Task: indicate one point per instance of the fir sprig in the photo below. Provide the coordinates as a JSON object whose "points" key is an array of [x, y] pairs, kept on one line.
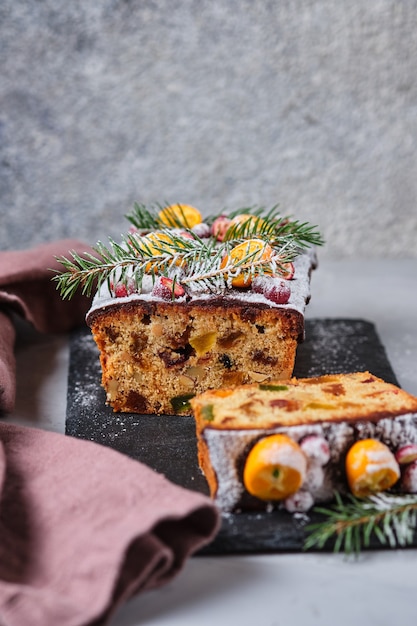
{"points": [[143, 218], [88, 272], [352, 523], [194, 261], [275, 228]]}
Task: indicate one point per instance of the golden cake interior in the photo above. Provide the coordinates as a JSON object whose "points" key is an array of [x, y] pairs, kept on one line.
{"points": [[333, 397], [155, 356]]}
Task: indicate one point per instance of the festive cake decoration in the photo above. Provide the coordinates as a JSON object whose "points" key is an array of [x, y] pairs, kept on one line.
{"points": [[185, 303], [211, 256]]}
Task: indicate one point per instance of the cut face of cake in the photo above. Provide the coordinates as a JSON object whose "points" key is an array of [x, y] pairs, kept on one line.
{"points": [[293, 443], [185, 304]]}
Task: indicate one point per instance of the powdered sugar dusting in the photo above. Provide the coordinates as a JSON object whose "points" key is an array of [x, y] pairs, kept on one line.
{"points": [[299, 285]]}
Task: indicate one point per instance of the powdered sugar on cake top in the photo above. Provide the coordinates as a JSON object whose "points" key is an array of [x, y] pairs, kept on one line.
{"points": [[299, 291]]}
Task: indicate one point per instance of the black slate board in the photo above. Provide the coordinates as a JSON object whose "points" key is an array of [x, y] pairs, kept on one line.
{"points": [[168, 443]]}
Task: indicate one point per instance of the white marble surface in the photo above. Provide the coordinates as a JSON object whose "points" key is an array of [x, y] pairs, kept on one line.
{"points": [[277, 589]]}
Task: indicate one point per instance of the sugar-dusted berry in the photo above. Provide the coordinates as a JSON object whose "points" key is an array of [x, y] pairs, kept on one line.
{"points": [[273, 289], [299, 502], [314, 479], [202, 230], [316, 448], [406, 454], [123, 288], [167, 289], [220, 226], [409, 478]]}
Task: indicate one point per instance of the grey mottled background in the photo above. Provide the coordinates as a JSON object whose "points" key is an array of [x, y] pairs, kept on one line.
{"points": [[310, 104]]}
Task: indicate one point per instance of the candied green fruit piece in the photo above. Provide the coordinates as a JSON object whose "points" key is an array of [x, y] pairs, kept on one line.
{"points": [[207, 412], [273, 387], [182, 403]]}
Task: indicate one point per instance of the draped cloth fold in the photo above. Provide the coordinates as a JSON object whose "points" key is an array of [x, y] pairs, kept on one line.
{"points": [[27, 289], [82, 527]]}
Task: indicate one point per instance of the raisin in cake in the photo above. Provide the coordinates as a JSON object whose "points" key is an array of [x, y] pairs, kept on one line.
{"points": [[293, 443], [195, 305]]}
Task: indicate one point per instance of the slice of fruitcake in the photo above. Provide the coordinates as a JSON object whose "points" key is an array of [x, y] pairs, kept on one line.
{"points": [[293, 443]]}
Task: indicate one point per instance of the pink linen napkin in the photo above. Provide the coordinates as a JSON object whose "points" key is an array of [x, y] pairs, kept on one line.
{"points": [[26, 288], [83, 528]]}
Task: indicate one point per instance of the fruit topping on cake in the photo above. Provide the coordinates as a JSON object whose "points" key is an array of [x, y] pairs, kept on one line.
{"points": [[250, 251]]}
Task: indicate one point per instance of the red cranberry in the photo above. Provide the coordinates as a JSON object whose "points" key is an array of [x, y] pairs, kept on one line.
{"points": [[123, 288], [316, 448], [273, 289], [299, 502], [409, 478], [202, 230], [164, 288], [406, 454], [220, 226]]}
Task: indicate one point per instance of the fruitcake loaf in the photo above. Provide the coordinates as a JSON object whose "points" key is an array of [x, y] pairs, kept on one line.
{"points": [[185, 305], [293, 443]]}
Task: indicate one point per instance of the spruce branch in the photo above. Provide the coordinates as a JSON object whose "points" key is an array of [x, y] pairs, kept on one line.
{"points": [[276, 229], [167, 252], [89, 272], [352, 523], [143, 218]]}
